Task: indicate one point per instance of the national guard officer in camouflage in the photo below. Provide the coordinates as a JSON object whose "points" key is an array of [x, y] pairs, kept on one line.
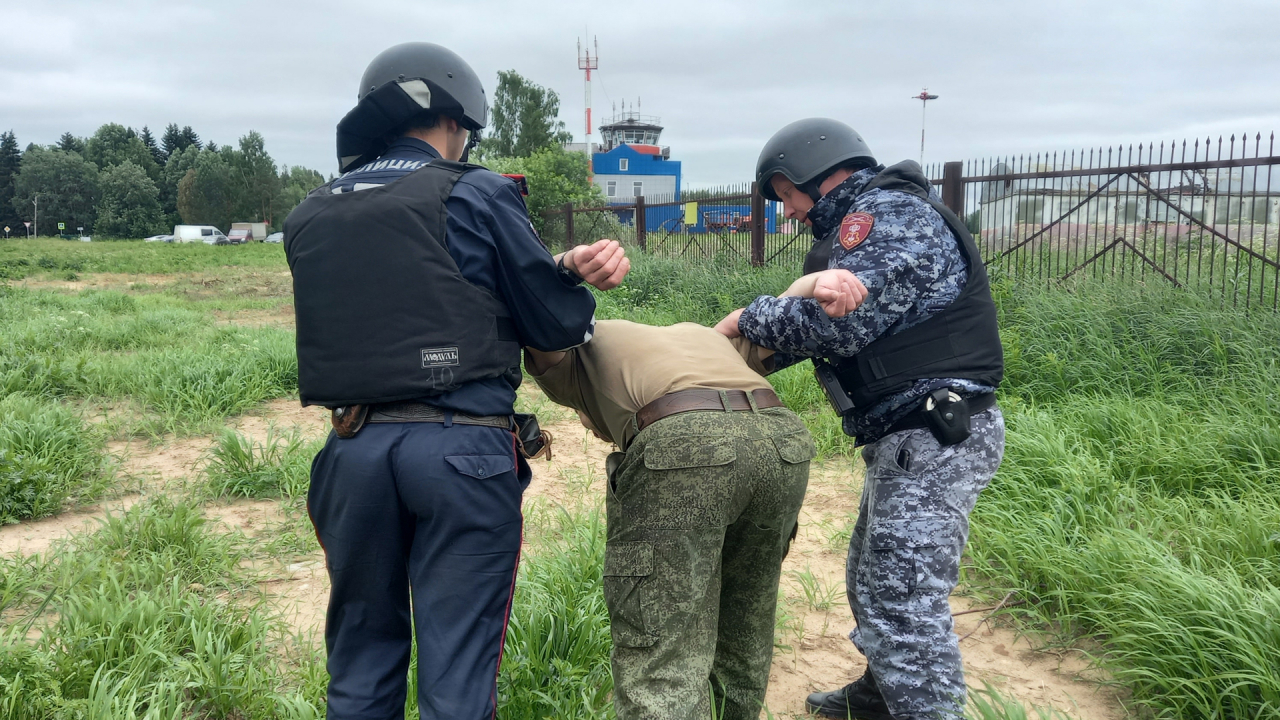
{"points": [[913, 371], [701, 504]]}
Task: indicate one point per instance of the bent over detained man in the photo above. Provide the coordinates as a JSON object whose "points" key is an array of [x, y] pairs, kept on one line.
{"points": [[701, 501], [417, 278], [913, 371]]}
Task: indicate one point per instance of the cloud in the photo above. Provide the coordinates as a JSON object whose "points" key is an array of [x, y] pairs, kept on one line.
{"points": [[1013, 77]]}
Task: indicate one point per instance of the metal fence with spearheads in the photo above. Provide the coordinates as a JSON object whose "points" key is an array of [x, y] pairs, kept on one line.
{"points": [[1197, 214]]}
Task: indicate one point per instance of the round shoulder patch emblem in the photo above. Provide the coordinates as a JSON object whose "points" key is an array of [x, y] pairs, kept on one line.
{"points": [[854, 229]]}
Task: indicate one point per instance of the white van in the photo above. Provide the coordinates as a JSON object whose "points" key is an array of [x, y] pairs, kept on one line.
{"points": [[207, 234]]}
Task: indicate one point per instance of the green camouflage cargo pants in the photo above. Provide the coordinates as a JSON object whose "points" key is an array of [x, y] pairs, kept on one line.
{"points": [[701, 511]]}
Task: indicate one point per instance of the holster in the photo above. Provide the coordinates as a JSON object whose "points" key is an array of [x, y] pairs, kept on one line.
{"points": [[347, 420], [533, 440]]}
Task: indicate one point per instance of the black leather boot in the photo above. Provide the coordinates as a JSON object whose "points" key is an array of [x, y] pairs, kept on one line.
{"points": [[859, 700]]}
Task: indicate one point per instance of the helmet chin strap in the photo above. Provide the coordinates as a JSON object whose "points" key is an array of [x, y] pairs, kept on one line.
{"points": [[811, 189], [473, 140]]}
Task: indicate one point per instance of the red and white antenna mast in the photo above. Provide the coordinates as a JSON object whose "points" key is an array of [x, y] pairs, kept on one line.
{"points": [[588, 62]]}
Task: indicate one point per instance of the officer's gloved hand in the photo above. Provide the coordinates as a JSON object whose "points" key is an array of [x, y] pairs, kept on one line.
{"points": [[602, 264]]}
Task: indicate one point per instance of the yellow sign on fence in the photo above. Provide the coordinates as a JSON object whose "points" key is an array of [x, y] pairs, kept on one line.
{"points": [[691, 213]]}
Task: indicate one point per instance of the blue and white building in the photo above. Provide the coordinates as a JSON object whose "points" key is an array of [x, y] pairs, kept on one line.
{"points": [[630, 162]]}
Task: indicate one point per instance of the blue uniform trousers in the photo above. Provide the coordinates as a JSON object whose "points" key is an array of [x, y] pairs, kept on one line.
{"points": [[429, 510]]}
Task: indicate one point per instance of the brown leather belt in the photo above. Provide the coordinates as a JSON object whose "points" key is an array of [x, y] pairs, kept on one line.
{"points": [[684, 401]]}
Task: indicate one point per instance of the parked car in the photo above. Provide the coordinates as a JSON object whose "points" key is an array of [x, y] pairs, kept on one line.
{"points": [[275, 238], [159, 238], [209, 234], [239, 236]]}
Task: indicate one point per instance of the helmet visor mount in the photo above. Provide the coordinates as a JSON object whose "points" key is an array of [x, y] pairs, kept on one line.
{"points": [[362, 133]]}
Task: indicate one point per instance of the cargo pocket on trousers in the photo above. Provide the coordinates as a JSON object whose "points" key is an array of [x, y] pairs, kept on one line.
{"points": [[482, 467], [691, 482], [795, 448], [913, 563], [627, 593]]}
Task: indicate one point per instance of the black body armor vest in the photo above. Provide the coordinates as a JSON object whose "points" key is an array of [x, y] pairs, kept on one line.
{"points": [[383, 313], [960, 341]]}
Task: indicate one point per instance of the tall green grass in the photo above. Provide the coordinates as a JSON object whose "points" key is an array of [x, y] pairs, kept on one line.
{"points": [[172, 360], [1139, 499], [143, 618], [279, 466], [48, 456]]}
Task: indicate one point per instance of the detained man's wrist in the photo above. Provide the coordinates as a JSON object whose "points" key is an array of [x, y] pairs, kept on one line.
{"points": [[567, 276]]}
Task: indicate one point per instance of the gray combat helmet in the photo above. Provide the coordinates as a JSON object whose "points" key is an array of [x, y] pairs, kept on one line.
{"points": [[401, 82], [807, 151]]}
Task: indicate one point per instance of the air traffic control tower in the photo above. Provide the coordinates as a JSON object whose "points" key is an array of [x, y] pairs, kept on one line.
{"points": [[630, 161]]}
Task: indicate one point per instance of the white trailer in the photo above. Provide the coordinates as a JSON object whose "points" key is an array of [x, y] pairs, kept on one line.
{"points": [[257, 230]]}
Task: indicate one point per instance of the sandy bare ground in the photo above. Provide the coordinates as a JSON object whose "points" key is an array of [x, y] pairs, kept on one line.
{"points": [[821, 656]]}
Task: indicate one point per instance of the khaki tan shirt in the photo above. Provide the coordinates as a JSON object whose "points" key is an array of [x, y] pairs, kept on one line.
{"points": [[628, 365]]}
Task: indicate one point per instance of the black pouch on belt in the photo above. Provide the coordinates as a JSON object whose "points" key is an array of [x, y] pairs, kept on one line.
{"points": [[946, 414], [534, 441]]}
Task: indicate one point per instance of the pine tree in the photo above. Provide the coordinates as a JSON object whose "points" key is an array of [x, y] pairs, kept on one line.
{"points": [[175, 140], [10, 163], [189, 137], [70, 143], [149, 140], [171, 141]]}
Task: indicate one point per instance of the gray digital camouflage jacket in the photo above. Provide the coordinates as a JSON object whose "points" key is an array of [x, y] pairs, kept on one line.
{"points": [[911, 264]]}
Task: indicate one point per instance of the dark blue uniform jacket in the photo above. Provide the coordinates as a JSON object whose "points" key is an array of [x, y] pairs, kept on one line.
{"points": [[496, 248]]}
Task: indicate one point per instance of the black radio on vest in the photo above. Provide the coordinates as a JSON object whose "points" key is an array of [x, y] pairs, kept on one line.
{"points": [[383, 313], [960, 341]]}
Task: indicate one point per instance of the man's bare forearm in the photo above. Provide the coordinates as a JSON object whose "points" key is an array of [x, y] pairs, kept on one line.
{"points": [[543, 361]]}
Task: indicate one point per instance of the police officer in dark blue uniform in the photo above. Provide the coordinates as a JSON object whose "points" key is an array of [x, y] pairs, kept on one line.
{"points": [[913, 372], [417, 278]]}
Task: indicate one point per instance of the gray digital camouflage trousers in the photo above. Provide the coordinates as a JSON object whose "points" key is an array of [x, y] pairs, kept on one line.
{"points": [[904, 561], [701, 511]]}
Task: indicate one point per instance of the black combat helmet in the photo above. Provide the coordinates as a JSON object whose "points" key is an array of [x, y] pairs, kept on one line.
{"points": [[402, 82], [807, 151]]}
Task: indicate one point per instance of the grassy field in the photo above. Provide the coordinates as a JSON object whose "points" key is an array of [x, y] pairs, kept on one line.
{"points": [[1136, 516]]}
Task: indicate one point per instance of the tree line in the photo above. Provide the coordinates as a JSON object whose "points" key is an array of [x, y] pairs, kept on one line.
{"points": [[120, 182], [125, 183]]}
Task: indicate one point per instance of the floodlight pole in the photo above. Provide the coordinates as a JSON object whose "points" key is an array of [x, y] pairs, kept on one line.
{"points": [[924, 97], [35, 222]]}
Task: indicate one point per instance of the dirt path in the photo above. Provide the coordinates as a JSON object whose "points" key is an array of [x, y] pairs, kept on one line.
{"points": [[821, 656]]}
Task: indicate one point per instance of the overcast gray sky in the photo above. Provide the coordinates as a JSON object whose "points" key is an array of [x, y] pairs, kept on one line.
{"points": [[1013, 76]]}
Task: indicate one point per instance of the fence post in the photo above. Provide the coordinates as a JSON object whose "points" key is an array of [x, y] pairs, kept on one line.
{"points": [[641, 227], [953, 187], [757, 226], [568, 226]]}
